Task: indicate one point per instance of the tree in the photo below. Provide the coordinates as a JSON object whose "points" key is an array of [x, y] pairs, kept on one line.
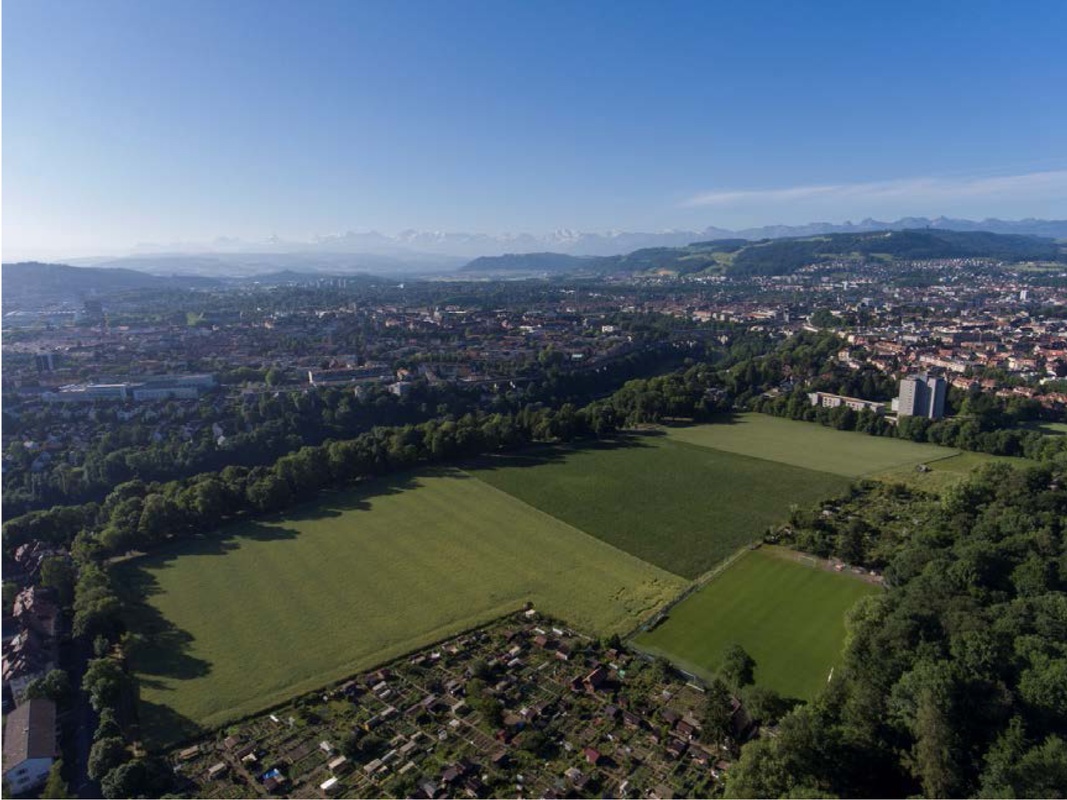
{"points": [[105, 682], [738, 667], [764, 704], [55, 786], [107, 725], [717, 724], [936, 747], [54, 686], [105, 755], [58, 574], [142, 777], [760, 772]]}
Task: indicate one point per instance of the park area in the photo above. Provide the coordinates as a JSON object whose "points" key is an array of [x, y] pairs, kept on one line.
{"points": [[601, 536], [259, 612], [788, 614]]}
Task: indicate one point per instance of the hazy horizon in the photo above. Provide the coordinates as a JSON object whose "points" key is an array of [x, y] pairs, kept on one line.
{"points": [[186, 122]]}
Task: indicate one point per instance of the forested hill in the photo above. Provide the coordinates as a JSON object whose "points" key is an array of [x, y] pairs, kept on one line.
{"points": [[782, 256], [742, 258], [35, 280]]}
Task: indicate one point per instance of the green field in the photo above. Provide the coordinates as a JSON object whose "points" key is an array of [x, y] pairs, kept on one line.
{"points": [[789, 616], [946, 472], [597, 535], [238, 621], [808, 445], [679, 506]]}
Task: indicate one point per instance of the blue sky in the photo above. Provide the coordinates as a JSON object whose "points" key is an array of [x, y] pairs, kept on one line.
{"points": [[128, 121]]}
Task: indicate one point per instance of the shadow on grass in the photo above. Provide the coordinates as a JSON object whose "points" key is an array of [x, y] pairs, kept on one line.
{"points": [[722, 418], [559, 453], [162, 727], [162, 652]]}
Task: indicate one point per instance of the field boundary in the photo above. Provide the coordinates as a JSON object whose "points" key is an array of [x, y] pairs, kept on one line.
{"points": [[697, 584], [879, 473], [575, 528]]}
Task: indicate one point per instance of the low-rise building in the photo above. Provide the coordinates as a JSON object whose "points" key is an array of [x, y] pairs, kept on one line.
{"points": [[29, 745], [827, 400]]}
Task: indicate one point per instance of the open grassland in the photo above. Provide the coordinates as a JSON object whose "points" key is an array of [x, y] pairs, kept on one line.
{"points": [[808, 445], [946, 472], [788, 615], [679, 506], [264, 610]]}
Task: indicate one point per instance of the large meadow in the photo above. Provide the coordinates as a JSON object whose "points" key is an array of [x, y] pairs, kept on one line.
{"points": [[603, 536], [266, 610]]}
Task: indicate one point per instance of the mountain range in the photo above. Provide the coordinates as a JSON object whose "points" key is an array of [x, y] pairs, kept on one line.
{"points": [[425, 252], [33, 283], [739, 257]]}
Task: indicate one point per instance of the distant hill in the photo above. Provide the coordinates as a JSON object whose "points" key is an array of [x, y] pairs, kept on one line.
{"points": [[742, 257], [529, 262], [247, 264], [32, 281], [424, 252], [782, 256]]}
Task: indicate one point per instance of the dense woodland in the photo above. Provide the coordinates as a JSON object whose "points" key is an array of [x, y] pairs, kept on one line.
{"points": [[954, 680]]}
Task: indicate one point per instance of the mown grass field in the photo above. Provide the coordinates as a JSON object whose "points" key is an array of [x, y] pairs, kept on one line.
{"points": [[789, 616], [808, 445], [261, 611], [679, 506]]}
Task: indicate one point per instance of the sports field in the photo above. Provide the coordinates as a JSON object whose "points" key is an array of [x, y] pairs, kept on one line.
{"points": [[805, 444], [261, 611], [679, 506], [788, 615]]}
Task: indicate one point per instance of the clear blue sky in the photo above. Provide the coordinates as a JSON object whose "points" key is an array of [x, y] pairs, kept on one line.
{"points": [[145, 120]]}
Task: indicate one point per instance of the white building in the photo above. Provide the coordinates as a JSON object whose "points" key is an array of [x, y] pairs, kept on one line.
{"points": [[29, 745], [827, 400], [922, 396]]}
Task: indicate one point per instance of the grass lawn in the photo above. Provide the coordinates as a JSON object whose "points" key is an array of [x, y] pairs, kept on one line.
{"points": [[808, 445], [244, 619], [946, 472], [789, 616], [679, 506]]}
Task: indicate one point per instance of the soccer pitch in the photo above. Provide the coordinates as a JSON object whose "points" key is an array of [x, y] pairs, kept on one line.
{"points": [[788, 615]]}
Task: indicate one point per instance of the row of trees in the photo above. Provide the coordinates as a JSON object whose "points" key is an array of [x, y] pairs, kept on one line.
{"points": [[111, 759], [954, 681], [259, 429], [138, 514]]}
